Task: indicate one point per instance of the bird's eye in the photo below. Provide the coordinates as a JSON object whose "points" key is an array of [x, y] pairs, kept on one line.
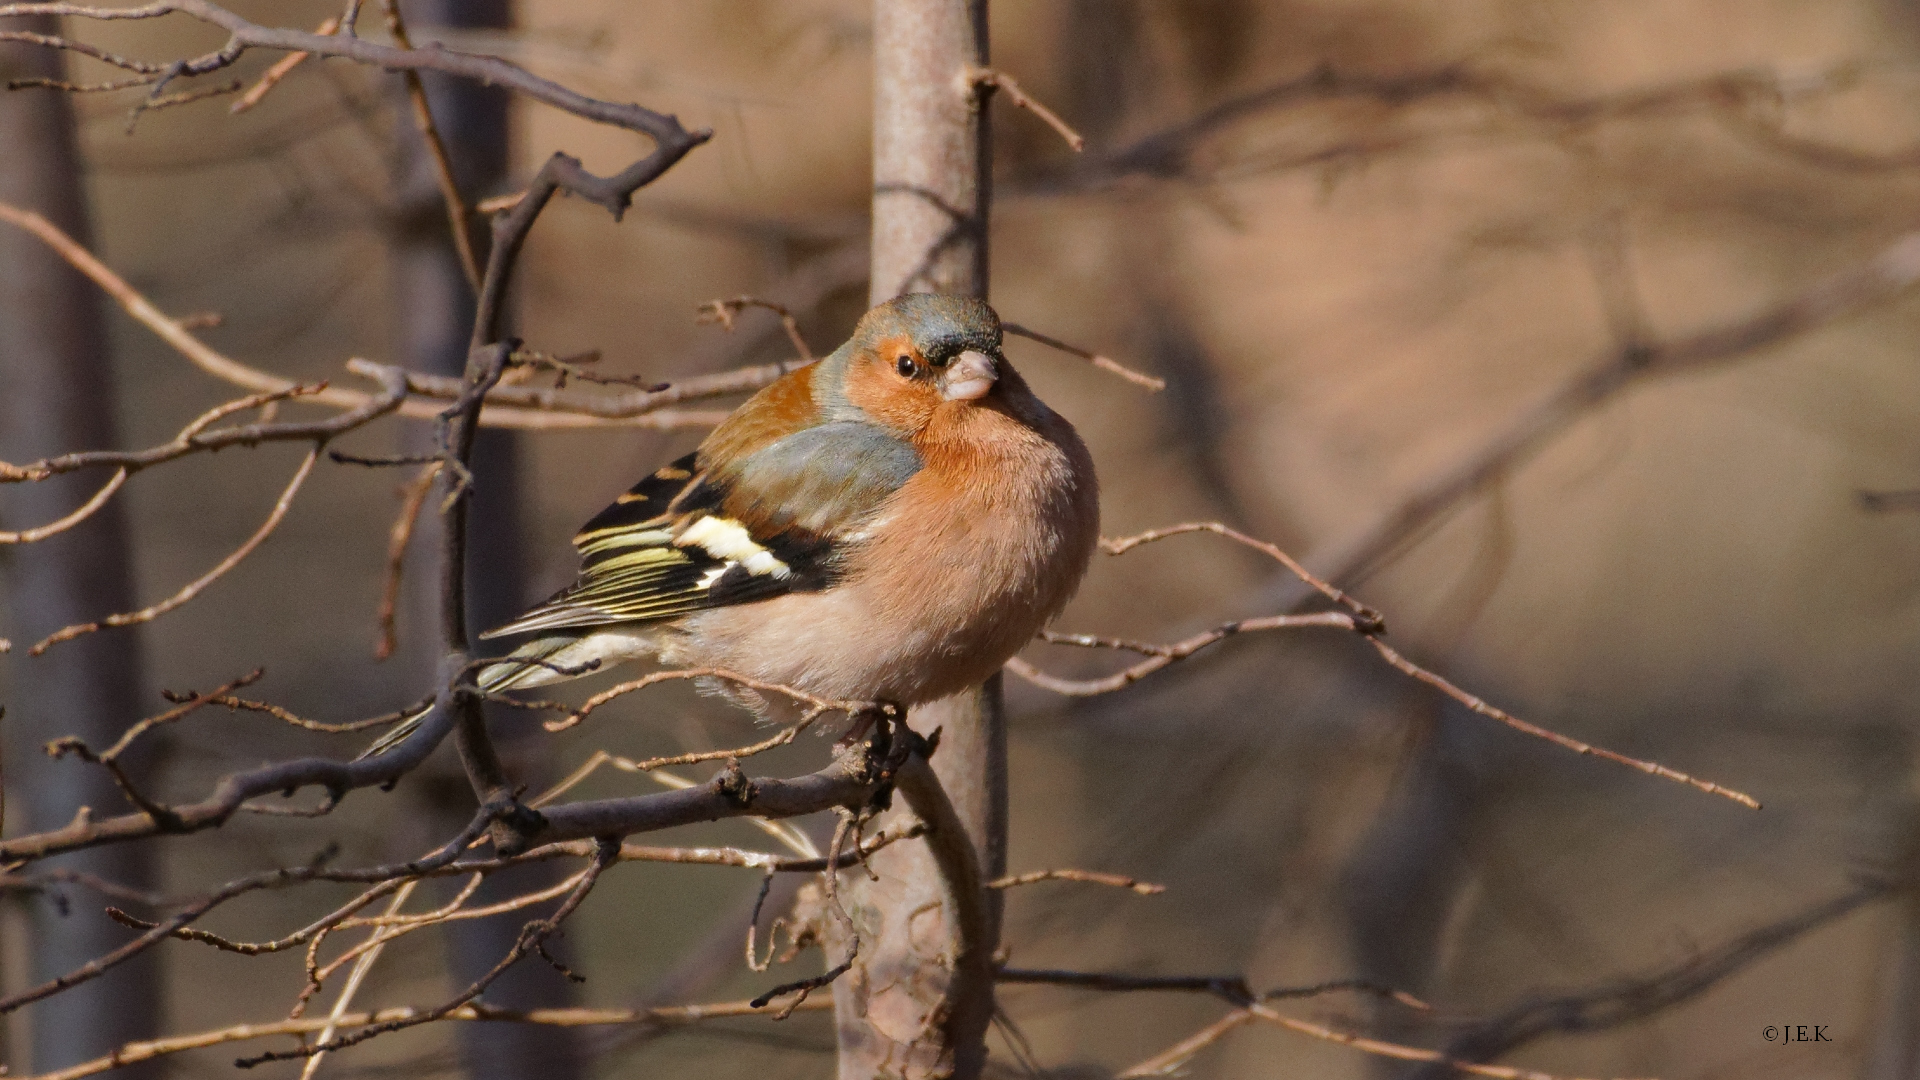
{"points": [[906, 367]]}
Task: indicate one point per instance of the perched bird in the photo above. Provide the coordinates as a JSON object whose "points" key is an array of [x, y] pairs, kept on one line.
{"points": [[890, 524]]}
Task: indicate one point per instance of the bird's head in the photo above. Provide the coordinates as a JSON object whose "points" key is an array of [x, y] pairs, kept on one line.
{"points": [[920, 352]]}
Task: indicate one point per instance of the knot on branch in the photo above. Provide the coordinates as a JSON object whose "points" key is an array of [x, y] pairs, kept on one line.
{"points": [[734, 785], [513, 825], [1368, 622], [891, 746]]}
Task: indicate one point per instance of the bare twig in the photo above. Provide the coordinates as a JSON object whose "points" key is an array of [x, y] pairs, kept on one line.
{"points": [[193, 588], [81, 513], [457, 212], [194, 438], [283, 715], [190, 913], [1128, 543], [1159, 656], [1393, 1050], [188, 704], [539, 409], [672, 140], [526, 363], [354, 978], [1358, 618], [186, 97], [672, 1015], [980, 77], [723, 311], [1094, 877], [572, 408], [1104, 363], [1173, 1057], [413, 496], [280, 70], [818, 705], [531, 936], [1651, 768], [829, 878]]}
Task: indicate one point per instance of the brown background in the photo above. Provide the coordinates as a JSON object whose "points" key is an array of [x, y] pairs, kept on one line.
{"points": [[1347, 296]]}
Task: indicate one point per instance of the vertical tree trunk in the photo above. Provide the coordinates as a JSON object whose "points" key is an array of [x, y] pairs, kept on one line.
{"points": [[59, 397], [433, 312], [1893, 1051], [896, 1010]]}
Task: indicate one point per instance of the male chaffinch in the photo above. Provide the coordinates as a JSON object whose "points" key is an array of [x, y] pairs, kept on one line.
{"points": [[890, 524]]}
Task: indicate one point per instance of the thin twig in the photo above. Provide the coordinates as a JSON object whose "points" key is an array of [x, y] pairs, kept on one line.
{"points": [[1652, 768], [281, 714], [540, 409], [987, 77], [1159, 656], [1104, 363], [1128, 543], [194, 438], [188, 704], [187, 97], [354, 978], [723, 312], [135, 1052], [829, 878], [76, 88], [1358, 618], [818, 704], [193, 589], [280, 70], [1170, 1059], [413, 496], [456, 205], [526, 363], [1093, 877], [531, 935], [1394, 1050], [190, 913], [81, 513]]}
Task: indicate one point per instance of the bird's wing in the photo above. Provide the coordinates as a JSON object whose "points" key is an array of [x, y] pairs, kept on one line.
{"points": [[701, 534]]}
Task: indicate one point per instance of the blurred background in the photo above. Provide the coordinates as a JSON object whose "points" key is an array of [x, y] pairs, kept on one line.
{"points": [[1360, 239]]}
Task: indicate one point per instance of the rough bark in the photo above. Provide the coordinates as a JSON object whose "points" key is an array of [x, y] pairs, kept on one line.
{"points": [[911, 1006], [54, 362]]}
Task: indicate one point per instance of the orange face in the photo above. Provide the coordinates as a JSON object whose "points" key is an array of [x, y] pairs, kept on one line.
{"points": [[898, 385]]}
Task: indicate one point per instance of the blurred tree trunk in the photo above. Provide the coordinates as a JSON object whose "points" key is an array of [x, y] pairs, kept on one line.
{"points": [[1894, 1051], [55, 364], [932, 176], [1411, 871], [433, 316]]}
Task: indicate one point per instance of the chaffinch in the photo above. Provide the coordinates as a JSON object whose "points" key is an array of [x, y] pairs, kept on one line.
{"points": [[890, 524]]}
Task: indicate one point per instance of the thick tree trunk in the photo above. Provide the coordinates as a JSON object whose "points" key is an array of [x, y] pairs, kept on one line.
{"points": [[433, 313], [55, 366], [900, 1011]]}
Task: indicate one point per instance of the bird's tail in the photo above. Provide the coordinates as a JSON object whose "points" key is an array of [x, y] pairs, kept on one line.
{"points": [[536, 662]]}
